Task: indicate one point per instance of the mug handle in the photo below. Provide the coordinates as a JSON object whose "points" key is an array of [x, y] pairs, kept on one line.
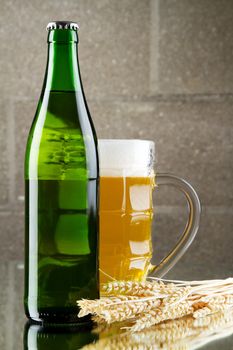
{"points": [[191, 228]]}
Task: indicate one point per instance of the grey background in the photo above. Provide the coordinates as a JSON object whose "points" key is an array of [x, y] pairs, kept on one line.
{"points": [[152, 69], [160, 70]]}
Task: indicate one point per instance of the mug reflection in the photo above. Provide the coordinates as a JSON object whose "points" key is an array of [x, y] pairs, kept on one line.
{"points": [[39, 337]]}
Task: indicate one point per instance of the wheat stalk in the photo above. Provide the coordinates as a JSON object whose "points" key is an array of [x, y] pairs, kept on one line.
{"points": [[154, 301], [119, 308], [159, 315], [135, 288]]}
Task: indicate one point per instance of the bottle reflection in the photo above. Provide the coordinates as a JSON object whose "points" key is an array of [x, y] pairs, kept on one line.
{"points": [[38, 337], [179, 334]]}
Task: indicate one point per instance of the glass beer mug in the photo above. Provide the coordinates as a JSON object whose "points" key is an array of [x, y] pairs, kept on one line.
{"points": [[127, 181]]}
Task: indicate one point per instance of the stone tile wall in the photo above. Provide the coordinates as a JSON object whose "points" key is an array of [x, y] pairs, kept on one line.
{"points": [[152, 69]]}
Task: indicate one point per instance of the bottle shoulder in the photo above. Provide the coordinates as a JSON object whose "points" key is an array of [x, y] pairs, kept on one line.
{"points": [[62, 139]]}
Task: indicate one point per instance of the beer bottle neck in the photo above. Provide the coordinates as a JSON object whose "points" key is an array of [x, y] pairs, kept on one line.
{"points": [[62, 72]]}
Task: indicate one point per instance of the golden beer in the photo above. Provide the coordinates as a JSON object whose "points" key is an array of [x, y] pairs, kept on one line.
{"points": [[126, 213]]}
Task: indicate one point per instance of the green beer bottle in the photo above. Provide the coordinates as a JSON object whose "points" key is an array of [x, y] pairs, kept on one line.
{"points": [[38, 337], [61, 188]]}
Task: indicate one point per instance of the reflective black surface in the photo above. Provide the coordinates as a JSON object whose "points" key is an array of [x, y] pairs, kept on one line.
{"points": [[17, 333]]}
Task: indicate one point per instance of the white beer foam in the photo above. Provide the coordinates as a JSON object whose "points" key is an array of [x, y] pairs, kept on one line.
{"points": [[126, 157]]}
